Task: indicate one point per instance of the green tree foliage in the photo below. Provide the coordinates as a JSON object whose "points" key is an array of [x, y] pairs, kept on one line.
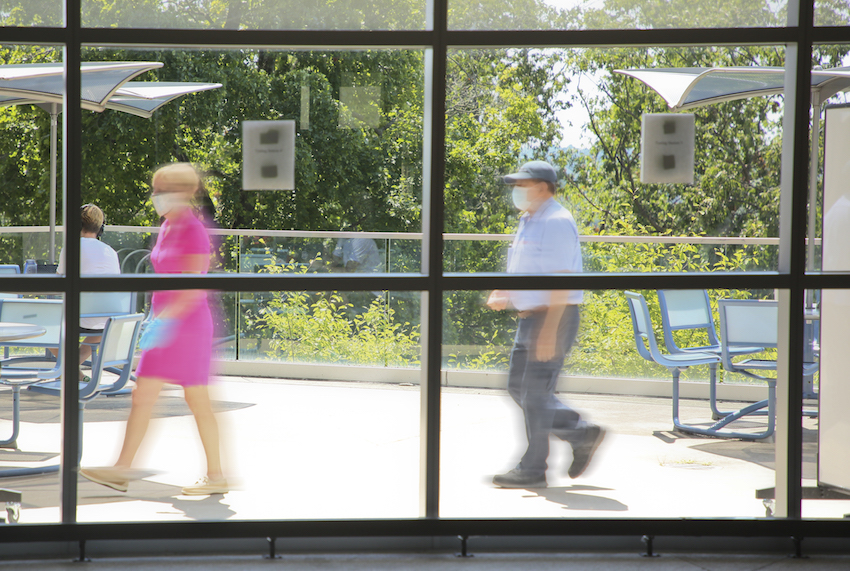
{"points": [[319, 328], [257, 14]]}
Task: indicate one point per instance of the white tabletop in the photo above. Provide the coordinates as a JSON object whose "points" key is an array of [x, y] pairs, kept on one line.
{"points": [[15, 331]]}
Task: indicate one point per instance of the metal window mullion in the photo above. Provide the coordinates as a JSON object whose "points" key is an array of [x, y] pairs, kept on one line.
{"points": [[793, 215], [794, 455], [72, 177], [432, 259]]}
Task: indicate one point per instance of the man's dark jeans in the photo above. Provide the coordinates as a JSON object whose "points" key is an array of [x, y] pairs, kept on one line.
{"points": [[532, 383]]}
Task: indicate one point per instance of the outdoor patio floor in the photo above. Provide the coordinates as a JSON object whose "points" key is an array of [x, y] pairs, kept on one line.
{"points": [[331, 450]]}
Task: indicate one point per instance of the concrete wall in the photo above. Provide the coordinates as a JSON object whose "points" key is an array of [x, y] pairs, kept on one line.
{"points": [[488, 380]]}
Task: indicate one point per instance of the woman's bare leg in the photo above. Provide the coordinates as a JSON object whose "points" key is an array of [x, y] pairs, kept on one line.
{"points": [[198, 399], [144, 397]]}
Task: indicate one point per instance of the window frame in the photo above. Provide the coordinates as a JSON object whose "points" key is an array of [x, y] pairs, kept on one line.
{"points": [[798, 36]]}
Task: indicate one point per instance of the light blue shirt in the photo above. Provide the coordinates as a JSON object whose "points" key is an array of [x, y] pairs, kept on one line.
{"points": [[546, 242]]}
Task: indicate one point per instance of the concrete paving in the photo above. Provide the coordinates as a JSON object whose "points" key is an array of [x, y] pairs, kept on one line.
{"points": [[329, 450]]}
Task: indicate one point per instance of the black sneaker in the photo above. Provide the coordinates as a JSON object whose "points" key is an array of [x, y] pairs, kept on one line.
{"points": [[582, 453], [517, 478]]}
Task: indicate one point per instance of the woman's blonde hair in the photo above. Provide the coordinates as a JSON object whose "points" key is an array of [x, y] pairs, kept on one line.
{"points": [[177, 176]]}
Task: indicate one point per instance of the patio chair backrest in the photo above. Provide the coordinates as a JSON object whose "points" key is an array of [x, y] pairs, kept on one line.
{"points": [[131, 260], [9, 269], [683, 310], [116, 350], [642, 326], [748, 322], [107, 304], [46, 313]]}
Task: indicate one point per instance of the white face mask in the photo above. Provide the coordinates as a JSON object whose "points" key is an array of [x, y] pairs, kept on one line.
{"points": [[519, 195], [165, 202]]}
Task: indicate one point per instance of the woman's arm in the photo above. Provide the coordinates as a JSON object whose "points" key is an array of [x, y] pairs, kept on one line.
{"points": [[186, 299]]}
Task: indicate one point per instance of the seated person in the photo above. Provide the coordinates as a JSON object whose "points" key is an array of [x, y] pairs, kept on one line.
{"points": [[95, 258], [358, 255]]}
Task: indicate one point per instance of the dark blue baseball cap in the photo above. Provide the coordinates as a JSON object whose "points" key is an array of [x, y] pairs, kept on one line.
{"points": [[540, 170]]}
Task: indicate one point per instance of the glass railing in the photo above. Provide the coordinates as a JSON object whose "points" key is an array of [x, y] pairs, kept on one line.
{"points": [[380, 329]]}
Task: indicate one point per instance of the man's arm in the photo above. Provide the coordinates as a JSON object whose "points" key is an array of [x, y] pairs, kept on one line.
{"points": [[547, 339], [498, 300]]}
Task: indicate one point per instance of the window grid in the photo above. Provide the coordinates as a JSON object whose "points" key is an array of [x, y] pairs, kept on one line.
{"points": [[792, 276]]}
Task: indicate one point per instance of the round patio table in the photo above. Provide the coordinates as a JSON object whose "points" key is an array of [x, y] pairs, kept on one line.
{"points": [[16, 331]]}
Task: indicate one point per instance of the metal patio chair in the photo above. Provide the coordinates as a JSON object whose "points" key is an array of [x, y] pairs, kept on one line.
{"points": [[648, 348], [746, 322], [690, 310]]}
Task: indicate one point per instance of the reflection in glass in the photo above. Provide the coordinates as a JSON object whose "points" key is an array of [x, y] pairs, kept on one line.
{"points": [[831, 13], [259, 15], [24, 13], [614, 14], [613, 385], [588, 126]]}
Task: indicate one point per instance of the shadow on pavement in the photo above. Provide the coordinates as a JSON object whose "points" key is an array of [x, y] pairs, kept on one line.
{"points": [[571, 498]]}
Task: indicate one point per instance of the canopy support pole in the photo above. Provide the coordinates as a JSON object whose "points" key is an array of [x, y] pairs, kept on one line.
{"points": [[813, 188], [54, 125]]}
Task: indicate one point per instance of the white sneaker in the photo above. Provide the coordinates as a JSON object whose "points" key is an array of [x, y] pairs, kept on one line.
{"points": [[109, 476], [205, 487]]}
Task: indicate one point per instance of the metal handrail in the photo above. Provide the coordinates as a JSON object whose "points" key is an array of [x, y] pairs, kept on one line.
{"points": [[587, 238]]}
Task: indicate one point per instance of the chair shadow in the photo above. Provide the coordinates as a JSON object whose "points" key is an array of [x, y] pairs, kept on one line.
{"points": [[764, 453], [571, 498]]}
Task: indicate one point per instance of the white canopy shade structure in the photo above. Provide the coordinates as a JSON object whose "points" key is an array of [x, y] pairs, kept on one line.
{"points": [[105, 85], [690, 87]]}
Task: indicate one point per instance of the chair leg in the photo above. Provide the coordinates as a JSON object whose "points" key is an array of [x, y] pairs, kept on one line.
{"points": [[712, 394], [16, 419], [715, 429]]}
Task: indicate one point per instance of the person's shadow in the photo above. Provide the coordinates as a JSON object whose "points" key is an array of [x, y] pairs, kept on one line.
{"points": [[209, 508], [571, 500]]}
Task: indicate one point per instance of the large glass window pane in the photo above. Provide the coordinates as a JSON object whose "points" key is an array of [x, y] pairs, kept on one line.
{"points": [[609, 168], [25, 13], [831, 13], [30, 122], [258, 15], [500, 395], [31, 372], [614, 14], [312, 160], [332, 377]]}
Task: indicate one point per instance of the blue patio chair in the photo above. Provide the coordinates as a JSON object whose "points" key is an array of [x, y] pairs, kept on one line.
{"points": [[9, 269], [131, 260], [46, 313], [104, 304], [23, 370], [116, 351], [745, 322], [648, 348], [690, 310], [114, 354]]}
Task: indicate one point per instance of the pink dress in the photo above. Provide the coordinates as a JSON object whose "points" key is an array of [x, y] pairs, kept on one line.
{"points": [[186, 360]]}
